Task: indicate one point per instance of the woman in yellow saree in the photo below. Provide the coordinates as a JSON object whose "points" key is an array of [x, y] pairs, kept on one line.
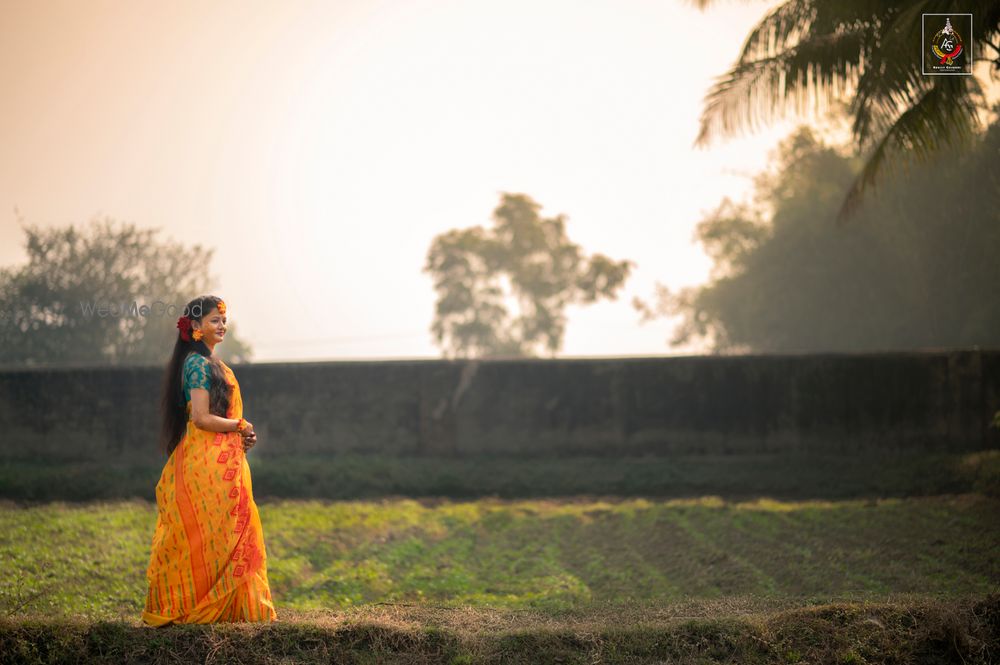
{"points": [[208, 561]]}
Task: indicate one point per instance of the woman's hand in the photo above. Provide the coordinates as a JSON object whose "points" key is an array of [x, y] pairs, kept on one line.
{"points": [[249, 439]]}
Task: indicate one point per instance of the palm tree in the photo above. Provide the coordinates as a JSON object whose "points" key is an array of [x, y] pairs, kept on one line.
{"points": [[864, 52]]}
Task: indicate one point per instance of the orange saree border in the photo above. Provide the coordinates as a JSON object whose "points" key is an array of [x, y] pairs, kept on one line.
{"points": [[186, 508]]}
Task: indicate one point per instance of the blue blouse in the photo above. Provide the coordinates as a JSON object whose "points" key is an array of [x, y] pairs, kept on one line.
{"points": [[195, 375]]}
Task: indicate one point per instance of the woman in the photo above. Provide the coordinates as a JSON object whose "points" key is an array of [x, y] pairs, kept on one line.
{"points": [[208, 561]]}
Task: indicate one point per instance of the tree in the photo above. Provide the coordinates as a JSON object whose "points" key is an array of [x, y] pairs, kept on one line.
{"points": [[106, 293], [819, 51], [919, 272], [545, 271]]}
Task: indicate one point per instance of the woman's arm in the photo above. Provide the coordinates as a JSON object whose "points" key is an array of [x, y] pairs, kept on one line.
{"points": [[209, 421]]}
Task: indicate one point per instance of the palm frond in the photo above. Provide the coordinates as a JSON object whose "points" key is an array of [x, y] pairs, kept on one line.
{"points": [[817, 70], [892, 81], [783, 27], [946, 114]]}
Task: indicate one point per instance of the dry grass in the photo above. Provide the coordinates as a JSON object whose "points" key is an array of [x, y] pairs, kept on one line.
{"points": [[747, 630]]}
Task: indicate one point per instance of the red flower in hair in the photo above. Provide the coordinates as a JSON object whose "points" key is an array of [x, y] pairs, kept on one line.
{"points": [[184, 325]]}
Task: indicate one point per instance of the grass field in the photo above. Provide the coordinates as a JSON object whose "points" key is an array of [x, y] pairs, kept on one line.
{"points": [[90, 559], [908, 575]]}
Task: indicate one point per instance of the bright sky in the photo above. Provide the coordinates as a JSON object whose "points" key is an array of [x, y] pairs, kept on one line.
{"points": [[320, 146]]}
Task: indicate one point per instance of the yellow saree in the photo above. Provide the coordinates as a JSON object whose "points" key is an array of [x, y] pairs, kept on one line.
{"points": [[208, 561]]}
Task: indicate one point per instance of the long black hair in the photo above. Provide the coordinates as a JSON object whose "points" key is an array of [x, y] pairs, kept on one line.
{"points": [[173, 407]]}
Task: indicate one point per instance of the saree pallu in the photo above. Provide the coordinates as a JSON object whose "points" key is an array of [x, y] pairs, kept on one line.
{"points": [[208, 561]]}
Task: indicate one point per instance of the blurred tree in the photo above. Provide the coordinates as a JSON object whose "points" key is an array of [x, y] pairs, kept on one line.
{"points": [[813, 52], [545, 272], [920, 272], [72, 303]]}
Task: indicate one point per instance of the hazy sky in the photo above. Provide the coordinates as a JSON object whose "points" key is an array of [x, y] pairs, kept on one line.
{"points": [[320, 146]]}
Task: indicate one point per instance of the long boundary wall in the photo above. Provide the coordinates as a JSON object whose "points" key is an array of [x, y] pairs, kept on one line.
{"points": [[658, 405]]}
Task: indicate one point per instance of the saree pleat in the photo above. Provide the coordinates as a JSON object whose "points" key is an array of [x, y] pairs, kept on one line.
{"points": [[207, 561]]}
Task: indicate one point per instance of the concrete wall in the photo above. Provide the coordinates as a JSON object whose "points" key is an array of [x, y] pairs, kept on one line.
{"points": [[693, 404]]}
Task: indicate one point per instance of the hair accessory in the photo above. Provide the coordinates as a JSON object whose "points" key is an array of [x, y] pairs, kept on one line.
{"points": [[197, 335], [221, 307], [184, 325]]}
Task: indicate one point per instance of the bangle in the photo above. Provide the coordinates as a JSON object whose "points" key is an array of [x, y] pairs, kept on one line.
{"points": [[241, 425]]}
